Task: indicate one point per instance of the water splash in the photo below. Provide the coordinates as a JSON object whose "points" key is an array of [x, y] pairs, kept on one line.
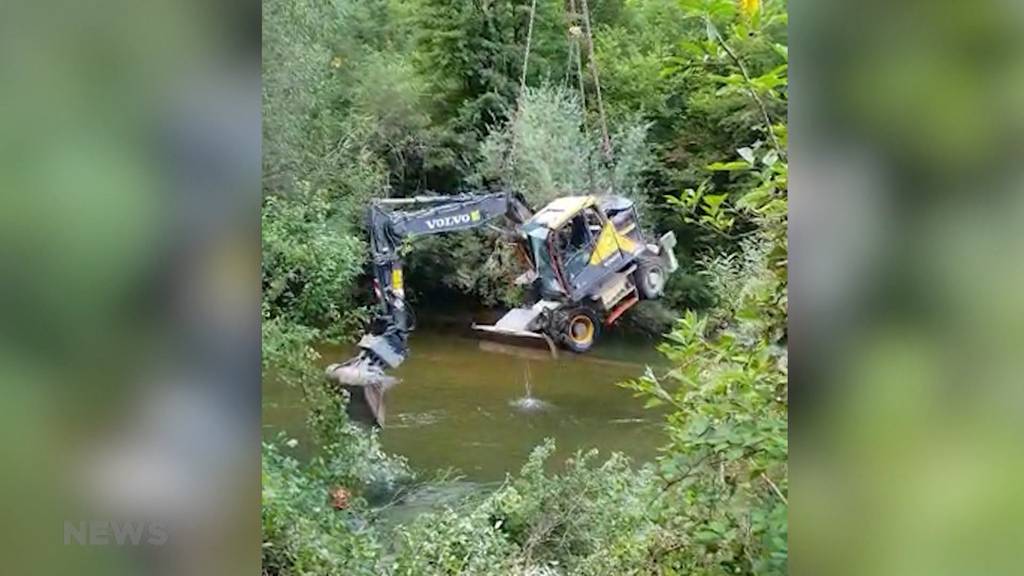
{"points": [[528, 403]]}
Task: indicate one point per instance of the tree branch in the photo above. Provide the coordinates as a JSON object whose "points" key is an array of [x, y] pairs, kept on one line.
{"points": [[775, 488], [749, 85]]}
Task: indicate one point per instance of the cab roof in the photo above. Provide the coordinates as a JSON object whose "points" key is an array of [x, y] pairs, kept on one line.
{"points": [[558, 212]]}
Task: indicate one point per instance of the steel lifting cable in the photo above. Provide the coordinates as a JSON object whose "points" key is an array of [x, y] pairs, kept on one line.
{"points": [[606, 139], [574, 43], [597, 82], [574, 47], [568, 53], [509, 159], [526, 56]]}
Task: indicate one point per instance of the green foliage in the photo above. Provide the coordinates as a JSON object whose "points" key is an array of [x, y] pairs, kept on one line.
{"points": [[302, 533], [760, 259], [544, 151], [392, 97], [455, 543], [726, 460], [485, 267], [541, 152], [632, 56], [286, 350], [389, 98], [294, 84], [650, 318], [589, 519], [737, 279], [310, 263], [473, 54], [688, 290], [321, 158], [347, 452]]}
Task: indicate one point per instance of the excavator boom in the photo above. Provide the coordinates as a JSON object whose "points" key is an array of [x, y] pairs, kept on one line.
{"points": [[589, 263], [390, 222]]}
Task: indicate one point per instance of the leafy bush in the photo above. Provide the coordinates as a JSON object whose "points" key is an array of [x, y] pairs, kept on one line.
{"points": [[591, 519], [390, 100], [486, 267], [303, 534], [310, 132], [453, 542], [735, 278], [726, 460], [286, 350], [310, 263], [688, 289], [543, 151]]}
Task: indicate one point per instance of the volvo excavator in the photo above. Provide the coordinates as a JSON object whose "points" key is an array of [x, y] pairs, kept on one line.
{"points": [[586, 258], [586, 262]]}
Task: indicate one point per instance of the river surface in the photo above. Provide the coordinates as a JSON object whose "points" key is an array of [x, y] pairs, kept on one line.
{"points": [[465, 406]]}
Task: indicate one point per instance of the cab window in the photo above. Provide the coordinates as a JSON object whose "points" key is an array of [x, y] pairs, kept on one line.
{"points": [[576, 242]]}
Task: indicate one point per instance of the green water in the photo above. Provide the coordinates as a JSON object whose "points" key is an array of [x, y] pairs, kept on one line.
{"points": [[459, 406]]}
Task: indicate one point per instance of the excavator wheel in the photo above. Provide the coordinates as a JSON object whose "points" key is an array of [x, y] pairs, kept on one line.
{"points": [[650, 278], [580, 329]]}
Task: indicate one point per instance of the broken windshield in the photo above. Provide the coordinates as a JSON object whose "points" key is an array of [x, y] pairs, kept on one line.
{"points": [[545, 268]]}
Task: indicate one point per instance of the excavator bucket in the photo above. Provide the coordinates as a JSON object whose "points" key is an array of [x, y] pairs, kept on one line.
{"points": [[519, 328], [366, 384]]}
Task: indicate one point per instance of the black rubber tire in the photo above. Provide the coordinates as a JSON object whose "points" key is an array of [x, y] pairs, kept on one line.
{"points": [[580, 330], [650, 279]]}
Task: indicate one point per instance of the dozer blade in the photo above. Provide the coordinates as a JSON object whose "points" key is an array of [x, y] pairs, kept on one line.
{"points": [[518, 347], [515, 328], [366, 384]]}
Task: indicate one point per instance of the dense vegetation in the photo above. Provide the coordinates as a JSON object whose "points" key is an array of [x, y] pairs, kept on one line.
{"points": [[393, 97]]}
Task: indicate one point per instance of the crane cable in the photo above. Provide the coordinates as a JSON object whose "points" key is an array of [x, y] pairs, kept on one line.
{"points": [[510, 157], [607, 141], [526, 56], [574, 47]]}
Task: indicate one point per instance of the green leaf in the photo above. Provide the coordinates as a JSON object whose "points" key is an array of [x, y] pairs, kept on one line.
{"points": [[753, 199], [713, 203], [653, 402], [733, 166]]}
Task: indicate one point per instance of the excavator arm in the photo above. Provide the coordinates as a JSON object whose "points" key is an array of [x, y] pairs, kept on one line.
{"points": [[391, 221]]}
